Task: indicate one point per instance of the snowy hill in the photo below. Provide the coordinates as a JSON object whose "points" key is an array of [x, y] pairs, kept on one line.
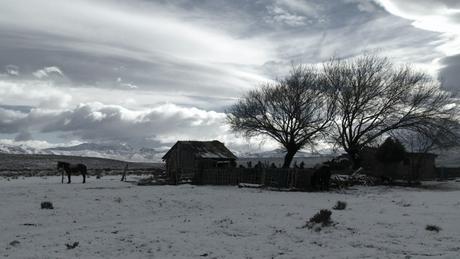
{"points": [[21, 150], [114, 151]]}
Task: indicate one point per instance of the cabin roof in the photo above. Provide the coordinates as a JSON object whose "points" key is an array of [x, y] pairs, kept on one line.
{"points": [[204, 149]]}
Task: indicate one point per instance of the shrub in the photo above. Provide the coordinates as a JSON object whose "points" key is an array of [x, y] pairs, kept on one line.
{"points": [[340, 205], [15, 243], [323, 217], [433, 228], [47, 205], [72, 246]]}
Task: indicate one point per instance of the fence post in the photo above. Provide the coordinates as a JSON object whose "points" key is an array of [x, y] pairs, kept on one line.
{"points": [[262, 177], [292, 180]]}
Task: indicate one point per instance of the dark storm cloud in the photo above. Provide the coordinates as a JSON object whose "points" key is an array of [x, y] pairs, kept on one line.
{"points": [[14, 121], [449, 75]]}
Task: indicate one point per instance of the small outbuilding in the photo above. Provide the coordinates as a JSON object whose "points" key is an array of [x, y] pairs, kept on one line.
{"points": [[187, 158]]}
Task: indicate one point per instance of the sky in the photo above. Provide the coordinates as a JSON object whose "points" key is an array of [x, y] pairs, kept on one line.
{"points": [[149, 73]]}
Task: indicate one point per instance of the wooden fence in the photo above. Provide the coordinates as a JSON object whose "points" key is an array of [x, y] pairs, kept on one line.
{"points": [[448, 172], [269, 177]]}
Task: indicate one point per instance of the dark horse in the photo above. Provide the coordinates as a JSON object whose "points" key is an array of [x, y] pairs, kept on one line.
{"points": [[69, 168]]}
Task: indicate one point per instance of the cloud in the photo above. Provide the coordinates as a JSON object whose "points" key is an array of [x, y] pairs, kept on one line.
{"points": [[449, 73], [33, 93], [10, 120], [186, 48], [94, 43], [280, 15], [95, 121], [99, 122], [106, 28], [154, 127], [165, 70], [125, 84], [12, 70], [23, 136], [443, 17], [47, 72], [439, 16], [364, 5]]}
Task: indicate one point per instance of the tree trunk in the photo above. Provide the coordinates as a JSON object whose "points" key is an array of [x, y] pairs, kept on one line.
{"points": [[289, 156]]}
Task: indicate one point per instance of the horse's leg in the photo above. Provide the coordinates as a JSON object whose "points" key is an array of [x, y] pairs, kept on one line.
{"points": [[68, 176], [62, 176], [85, 171]]}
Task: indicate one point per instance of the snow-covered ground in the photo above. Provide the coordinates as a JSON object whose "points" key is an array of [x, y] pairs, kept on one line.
{"points": [[111, 219]]}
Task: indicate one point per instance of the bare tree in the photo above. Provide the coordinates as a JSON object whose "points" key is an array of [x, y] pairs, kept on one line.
{"points": [[421, 143], [293, 111], [375, 98], [444, 138]]}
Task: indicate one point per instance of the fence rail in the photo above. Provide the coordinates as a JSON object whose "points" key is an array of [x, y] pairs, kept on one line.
{"points": [[270, 177]]}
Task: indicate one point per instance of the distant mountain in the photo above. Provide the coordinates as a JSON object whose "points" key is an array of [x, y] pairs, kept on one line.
{"points": [[126, 152], [280, 153], [113, 151], [20, 149]]}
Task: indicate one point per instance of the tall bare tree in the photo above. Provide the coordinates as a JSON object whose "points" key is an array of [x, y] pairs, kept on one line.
{"points": [[375, 97], [293, 111], [444, 138], [424, 142]]}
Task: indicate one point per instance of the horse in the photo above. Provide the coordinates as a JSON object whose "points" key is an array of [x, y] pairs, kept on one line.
{"points": [[69, 168]]}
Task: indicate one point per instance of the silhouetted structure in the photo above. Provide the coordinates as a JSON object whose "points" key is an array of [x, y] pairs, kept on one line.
{"points": [[416, 166], [321, 177], [186, 158]]}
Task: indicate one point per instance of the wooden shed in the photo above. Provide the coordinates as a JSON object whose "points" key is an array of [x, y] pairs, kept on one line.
{"points": [[187, 158]]}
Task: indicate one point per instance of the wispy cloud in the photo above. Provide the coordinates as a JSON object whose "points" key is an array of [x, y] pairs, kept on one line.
{"points": [[443, 17], [47, 72], [166, 70]]}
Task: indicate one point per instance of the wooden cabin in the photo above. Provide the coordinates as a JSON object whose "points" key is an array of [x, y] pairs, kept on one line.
{"points": [[187, 158]]}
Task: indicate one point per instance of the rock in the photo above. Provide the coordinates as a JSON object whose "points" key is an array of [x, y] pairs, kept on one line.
{"points": [[14, 243], [47, 205]]}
